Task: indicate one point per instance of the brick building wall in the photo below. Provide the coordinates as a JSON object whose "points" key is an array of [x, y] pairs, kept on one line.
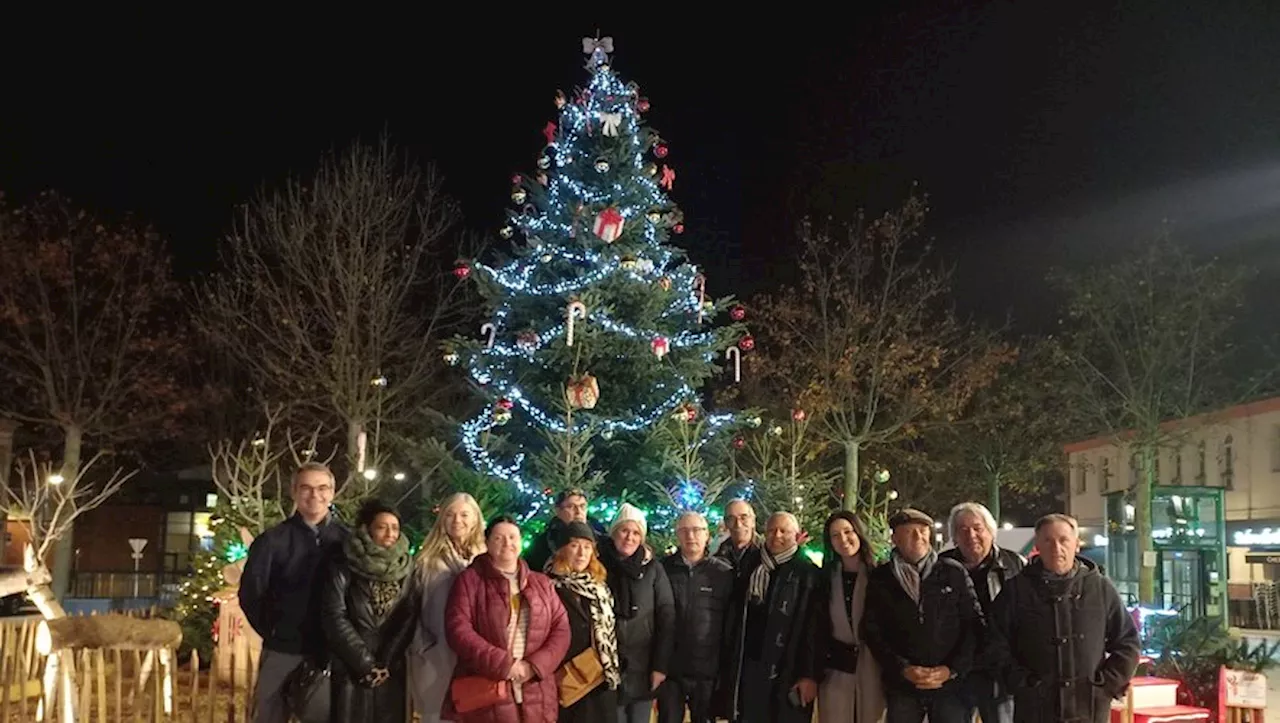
{"points": [[102, 537]]}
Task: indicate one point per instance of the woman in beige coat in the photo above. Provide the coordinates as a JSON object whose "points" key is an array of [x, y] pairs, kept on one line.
{"points": [[454, 541], [851, 690]]}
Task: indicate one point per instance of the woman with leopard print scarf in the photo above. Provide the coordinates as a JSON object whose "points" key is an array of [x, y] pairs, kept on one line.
{"points": [[369, 613], [580, 581]]}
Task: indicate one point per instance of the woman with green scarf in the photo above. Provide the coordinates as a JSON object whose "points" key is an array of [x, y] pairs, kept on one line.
{"points": [[369, 615]]}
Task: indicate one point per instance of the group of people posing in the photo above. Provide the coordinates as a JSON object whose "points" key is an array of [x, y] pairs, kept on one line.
{"points": [[593, 625]]}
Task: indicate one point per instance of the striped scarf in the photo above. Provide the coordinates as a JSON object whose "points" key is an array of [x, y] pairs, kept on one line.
{"points": [[768, 563], [604, 635]]}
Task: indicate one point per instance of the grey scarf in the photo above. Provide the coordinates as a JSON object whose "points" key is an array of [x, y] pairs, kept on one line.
{"points": [[909, 575], [768, 563]]}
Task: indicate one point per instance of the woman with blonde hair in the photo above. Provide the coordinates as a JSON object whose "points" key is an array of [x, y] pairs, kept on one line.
{"points": [[454, 541]]}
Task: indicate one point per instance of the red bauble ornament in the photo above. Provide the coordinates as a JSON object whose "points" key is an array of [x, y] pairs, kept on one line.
{"points": [[797, 415], [462, 269], [642, 105], [739, 442], [746, 343], [678, 228], [661, 150], [738, 313], [505, 403], [515, 180]]}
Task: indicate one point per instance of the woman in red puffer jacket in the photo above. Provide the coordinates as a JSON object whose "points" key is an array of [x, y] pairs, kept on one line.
{"points": [[506, 623]]}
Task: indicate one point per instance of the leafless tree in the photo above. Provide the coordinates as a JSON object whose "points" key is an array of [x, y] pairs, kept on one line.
{"points": [[867, 346], [337, 291], [1150, 338], [48, 504], [90, 337]]}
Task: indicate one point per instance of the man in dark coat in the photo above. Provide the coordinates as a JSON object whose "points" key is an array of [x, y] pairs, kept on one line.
{"points": [[973, 530], [280, 587], [701, 585], [1061, 635], [920, 624], [742, 548], [571, 506], [771, 666]]}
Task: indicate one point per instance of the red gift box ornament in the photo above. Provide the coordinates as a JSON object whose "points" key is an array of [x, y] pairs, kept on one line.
{"points": [[608, 225], [583, 392], [660, 346]]}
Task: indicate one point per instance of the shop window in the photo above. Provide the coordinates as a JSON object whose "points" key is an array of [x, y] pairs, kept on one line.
{"points": [[1104, 473], [1082, 479], [1177, 466], [1201, 469]]}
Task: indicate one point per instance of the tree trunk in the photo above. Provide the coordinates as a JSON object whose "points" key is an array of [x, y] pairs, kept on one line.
{"points": [[852, 491], [354, 428], [64, 547], [7, 429], [1142, 527], [993, 495]]}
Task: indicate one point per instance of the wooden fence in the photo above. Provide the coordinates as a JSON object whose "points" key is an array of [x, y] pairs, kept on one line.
{"points": [[110, 685]]}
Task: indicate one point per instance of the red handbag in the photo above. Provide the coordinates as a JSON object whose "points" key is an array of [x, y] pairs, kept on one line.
{"points": [[475, 692]]}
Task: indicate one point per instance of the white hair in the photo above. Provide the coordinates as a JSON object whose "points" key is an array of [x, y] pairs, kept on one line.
{"points": [[691, 513], [795, 521], [971, 508]]}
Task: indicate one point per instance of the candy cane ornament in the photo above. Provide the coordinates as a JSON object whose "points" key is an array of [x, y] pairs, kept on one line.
{"points": [[575, 310], [491, 330], [701, 282], [735, 354]]}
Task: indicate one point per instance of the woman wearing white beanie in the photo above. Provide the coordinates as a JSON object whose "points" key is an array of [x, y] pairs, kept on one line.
{"points": [[645, 612]]}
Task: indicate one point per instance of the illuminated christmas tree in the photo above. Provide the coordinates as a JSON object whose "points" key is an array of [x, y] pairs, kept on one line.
{"points": [[598, 328]]}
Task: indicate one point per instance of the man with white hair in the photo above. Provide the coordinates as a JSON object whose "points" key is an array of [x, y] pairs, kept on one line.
{"points": [[701, 585], [1060, 634], [973, 531], [771, 666], [742, 548]]}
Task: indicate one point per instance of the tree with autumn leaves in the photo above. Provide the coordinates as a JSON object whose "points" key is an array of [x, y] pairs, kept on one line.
{"points": [[91, 343], [866, 347]]}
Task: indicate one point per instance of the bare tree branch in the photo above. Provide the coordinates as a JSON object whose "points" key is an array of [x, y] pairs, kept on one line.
{"points": [[48, 504], [337, 292]]}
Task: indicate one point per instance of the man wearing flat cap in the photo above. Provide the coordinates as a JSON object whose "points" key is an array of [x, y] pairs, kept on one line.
{"points": [[571, 506], [920, 624]]}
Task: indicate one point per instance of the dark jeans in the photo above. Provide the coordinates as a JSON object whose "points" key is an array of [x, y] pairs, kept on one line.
{"points": [[637, 711], [676, 693], [978, 693], [941, 707]]}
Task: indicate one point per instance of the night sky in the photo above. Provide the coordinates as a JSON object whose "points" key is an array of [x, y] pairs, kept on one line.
{"points": [[1044, 133]]}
